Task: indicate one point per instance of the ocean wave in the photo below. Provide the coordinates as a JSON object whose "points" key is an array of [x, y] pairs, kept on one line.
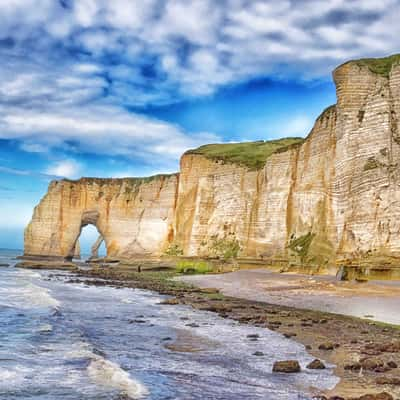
{"points": [[109, 374], [19, 289], [26, 273], [33, 295]]}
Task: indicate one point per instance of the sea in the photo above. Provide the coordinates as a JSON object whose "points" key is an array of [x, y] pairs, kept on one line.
{"points": [[61, 340]]}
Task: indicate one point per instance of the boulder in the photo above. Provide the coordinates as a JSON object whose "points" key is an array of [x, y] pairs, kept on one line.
{"points": [[326, 346], [316, 364], [288, 366]]}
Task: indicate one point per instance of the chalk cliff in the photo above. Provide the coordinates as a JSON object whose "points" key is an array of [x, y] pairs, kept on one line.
{"points": [[334, 195], [133, 216]]}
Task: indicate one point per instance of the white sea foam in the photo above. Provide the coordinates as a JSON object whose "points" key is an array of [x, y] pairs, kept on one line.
{"points": [[109, 374], [45, 328], [21, 291], [127, 301], [10, 378], [37, 296], [27, 273]]}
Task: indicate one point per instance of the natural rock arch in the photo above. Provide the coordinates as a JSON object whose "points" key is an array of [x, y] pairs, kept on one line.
{"points": [[90, 217], [134, 216]]}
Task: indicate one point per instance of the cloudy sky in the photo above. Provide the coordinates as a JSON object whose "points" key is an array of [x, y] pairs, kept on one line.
{"points": [[123, 87]]}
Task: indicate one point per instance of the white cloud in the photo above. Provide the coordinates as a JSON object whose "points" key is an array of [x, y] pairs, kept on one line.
{"points": [[297, 126], [101, 130], [66, 169], [199, 45], [68, 85]]}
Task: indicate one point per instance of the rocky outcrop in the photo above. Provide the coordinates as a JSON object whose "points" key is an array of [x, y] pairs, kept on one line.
{"points": [[133, 216], [335, 196]]}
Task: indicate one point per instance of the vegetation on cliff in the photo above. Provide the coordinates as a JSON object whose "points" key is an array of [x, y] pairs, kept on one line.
{"points": [[252, 155], [224, 248], [128, 180], [380, 66], [301, 245]]}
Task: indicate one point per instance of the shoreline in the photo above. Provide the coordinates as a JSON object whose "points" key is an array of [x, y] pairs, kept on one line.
{"points": [[374, 300], [360, 349]]}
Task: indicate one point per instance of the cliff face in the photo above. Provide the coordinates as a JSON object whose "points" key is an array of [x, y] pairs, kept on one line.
{"points": [[334, 196], [266, 209]]}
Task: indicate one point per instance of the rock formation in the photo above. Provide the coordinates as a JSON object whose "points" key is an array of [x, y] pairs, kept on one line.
{"points": [[334, 195], [133, 216]]}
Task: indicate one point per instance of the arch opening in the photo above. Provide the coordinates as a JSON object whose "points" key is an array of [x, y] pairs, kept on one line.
{"points": [[90, 243]]}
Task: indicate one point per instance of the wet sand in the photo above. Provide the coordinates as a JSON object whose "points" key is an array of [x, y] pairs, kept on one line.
{"points": [[378, 301]]}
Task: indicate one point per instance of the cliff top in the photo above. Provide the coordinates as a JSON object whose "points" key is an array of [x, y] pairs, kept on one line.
{"points": [[381, 66], [129, 180], [249, 154]]}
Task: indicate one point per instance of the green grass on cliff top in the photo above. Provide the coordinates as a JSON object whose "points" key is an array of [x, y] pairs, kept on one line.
{"points": [[249, 154], [380, 66], [132, 180]]}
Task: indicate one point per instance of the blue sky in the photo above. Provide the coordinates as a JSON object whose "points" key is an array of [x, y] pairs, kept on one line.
{"points": [[123, 87]]}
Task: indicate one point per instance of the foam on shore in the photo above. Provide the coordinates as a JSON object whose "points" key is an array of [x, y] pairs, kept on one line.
{"points": [[109, 374]]}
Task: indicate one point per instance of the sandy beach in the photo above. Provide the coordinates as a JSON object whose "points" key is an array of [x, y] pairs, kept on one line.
{"points": [[374, 300]]}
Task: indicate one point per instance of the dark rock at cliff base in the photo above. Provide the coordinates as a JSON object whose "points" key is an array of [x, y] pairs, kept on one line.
{"points": [[288, 366], [59, 265], [316, 364]]}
